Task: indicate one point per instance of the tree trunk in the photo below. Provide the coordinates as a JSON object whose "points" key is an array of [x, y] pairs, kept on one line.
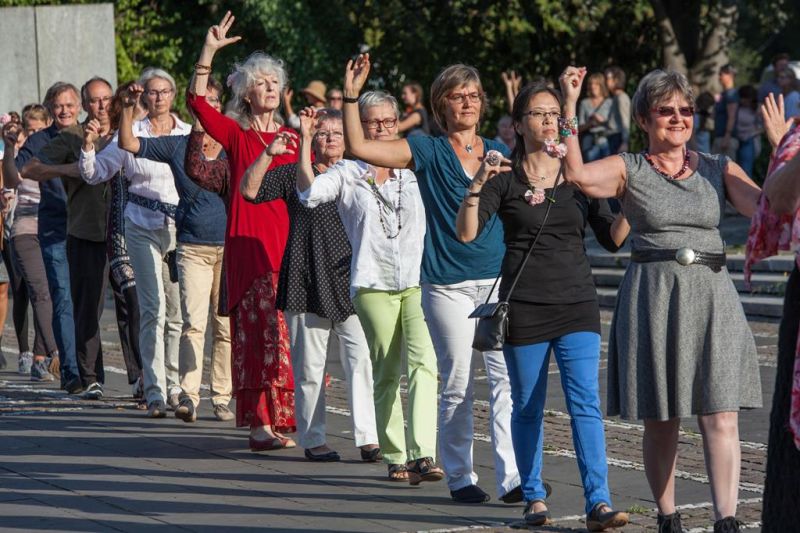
{"points": [[672, 55], [716, 47]]}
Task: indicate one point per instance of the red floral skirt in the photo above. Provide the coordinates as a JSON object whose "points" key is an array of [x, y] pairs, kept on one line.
{"points": [[261, 368]]}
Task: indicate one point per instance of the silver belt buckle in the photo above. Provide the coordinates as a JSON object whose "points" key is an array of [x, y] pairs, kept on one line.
{"points": [[685, 256]]}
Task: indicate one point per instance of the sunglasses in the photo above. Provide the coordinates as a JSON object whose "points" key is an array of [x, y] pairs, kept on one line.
{"points": [[668, 111]]}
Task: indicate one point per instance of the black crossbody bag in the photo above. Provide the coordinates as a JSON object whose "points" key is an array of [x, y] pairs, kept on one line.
{"points": [[493, 317]]}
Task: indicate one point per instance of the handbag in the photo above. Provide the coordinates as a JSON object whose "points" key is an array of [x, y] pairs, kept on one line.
{"points": [[490, 333]]}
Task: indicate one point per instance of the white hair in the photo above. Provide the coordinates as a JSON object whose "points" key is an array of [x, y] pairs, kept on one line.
{"points": [[376, 98], [244, 76], [151, 73]]}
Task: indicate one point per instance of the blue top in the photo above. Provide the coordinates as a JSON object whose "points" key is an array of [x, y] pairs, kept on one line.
{"points": [[731, 96], [201, 216], [443, 182], [53, 203]]}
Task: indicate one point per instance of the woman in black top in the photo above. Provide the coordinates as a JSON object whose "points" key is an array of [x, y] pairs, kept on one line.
{"points": [[314, 294], [554, 305]]}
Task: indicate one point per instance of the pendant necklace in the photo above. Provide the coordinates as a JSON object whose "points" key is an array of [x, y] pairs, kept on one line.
{"points": [[385, 206]]}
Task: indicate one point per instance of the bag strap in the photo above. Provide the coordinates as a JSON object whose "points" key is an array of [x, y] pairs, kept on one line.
{"points": [[550, 201]]}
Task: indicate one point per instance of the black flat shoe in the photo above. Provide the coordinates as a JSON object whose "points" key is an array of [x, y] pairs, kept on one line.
{"points": [[469, 494], [536, 519], [670, 523], [330, 457], [729, 524], [597, 520], [512, 496]]}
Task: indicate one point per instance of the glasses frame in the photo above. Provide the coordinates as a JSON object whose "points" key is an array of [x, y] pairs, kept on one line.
{"points": [[542, 115], [680, 111], [163, 93], [387, 123], [459, 98]]}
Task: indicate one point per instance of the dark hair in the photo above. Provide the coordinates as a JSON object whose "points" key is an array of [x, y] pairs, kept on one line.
{"points": [[619, 77], [57, 89], [517, 115], [85, 88], [214, 83], [748, 92], [727, 68], [15, 116], [450, 78], [783, 56]]}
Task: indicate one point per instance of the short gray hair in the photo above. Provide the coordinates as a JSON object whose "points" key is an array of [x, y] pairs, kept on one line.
{"points": [[656, 87], [153, 72], [243, 77], [376, 98]]}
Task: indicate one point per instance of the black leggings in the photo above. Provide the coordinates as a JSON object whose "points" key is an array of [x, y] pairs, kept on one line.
{"points": [[31, 265]]}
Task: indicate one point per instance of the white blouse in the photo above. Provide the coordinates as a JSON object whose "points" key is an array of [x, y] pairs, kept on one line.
{"points": [[370, 216], [149, 179]]}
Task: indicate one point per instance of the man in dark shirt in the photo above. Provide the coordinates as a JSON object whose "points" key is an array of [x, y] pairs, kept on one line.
{"points": [[62, 100], [86, 229]]}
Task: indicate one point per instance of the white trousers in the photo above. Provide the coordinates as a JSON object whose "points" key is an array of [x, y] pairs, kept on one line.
{"points": [[160, 319], [312, 338], [446, 311]]}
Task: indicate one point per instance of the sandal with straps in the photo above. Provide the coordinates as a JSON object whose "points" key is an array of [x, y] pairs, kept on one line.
{"points": [[398, 472]]}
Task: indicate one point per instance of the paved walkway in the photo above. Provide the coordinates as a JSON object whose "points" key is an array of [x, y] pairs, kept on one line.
{"points": [[73, 465]]}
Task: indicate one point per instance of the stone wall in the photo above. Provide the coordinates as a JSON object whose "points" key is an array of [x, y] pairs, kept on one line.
{"points": [[45, 44]]}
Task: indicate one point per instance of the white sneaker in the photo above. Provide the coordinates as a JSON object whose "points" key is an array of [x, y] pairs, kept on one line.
{"points": [[25, 363], [93, 392]]}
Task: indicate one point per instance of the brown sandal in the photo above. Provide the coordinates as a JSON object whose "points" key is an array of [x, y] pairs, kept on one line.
{"points": [[398, 472]]}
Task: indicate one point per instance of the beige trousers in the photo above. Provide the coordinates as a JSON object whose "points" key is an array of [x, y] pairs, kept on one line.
{"points": [[200, 278]]}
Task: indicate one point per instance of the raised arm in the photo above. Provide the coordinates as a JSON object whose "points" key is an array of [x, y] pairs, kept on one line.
{"points": [[391, 154], [216, 38], [38, 171], [468, 224], [512, 81], [97, 168], [741, 191], [604, 178], [775, 123], [256, 176], [11, 177], [782, 187], [127, 140], [305, 174]]}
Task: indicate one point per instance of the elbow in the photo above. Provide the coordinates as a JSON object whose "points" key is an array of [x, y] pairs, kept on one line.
{"points": [[465, 236]]}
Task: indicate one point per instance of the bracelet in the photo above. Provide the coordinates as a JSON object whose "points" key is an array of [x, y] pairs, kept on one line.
{"points": [[469, 204], [202, 69], [471, 194], [568, 126], [348, 100]]}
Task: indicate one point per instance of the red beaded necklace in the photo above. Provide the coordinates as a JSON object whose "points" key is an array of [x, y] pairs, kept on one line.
{"points": [[683, 168]]}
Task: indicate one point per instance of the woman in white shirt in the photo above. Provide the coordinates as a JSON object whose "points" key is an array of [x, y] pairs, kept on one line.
{"points": [[384, 219], [150, 236]]}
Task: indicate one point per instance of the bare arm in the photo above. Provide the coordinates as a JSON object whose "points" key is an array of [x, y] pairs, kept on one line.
{"points": [[390, 154], [11, 177], [467, 222], [604, 178], [216, 38], [411, 120], [742, 192], [305, 173], [620, 229], [283, 143], [127, 140], [782, 187], [37, 171]]}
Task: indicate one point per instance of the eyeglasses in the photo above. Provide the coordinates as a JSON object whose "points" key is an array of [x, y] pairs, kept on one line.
{"points": [[330, 134], [542, 115], [385, 123], [104, 99], [460, 98], [152, 93], [668, 111]]}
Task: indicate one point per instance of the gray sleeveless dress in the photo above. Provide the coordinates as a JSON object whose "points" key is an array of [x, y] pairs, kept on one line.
{"points": [[680, 344]]}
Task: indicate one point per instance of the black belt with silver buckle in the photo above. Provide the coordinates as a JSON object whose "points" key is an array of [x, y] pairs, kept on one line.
{"points": [[683, 256]]}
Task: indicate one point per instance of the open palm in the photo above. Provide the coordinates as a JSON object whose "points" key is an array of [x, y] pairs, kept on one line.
{"points": [[217, 36]]}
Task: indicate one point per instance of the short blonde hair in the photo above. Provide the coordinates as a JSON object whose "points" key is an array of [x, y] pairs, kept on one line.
{"points": [[451, 78], [244, 76]]}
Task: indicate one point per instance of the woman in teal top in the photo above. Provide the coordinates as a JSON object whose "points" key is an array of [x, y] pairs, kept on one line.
{"points": [[456, 277]]}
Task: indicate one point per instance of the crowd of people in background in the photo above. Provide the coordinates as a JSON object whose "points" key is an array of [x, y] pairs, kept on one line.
{"points": [[359, 226]]}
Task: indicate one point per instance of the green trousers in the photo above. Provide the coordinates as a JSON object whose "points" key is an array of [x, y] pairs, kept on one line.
{"points": [[393, 320]]}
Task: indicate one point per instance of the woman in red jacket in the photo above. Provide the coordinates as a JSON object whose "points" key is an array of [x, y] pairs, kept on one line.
{"points": [[255, 239]]}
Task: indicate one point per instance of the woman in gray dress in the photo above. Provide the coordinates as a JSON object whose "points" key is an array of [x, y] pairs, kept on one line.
{"points": [[680, 344]]}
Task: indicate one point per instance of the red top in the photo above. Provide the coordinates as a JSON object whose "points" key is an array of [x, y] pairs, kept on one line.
{"points": [[256, 233]]}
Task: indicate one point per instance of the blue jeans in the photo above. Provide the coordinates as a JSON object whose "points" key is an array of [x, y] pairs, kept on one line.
{"points": [[746, 155], [578, 356], [57, 270]]}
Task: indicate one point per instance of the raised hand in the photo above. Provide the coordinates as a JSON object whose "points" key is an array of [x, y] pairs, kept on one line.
{"points": [[284, 143], [493, 164], [217, 36], [775, 125], [11, 133], [132, 95], [512, 81], [308, 119], [355, 75], [91, 132], [571, 81]]}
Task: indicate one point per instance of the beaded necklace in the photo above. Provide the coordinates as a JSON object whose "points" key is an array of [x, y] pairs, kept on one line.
{"points": [[384, 204], [675, 176]]}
